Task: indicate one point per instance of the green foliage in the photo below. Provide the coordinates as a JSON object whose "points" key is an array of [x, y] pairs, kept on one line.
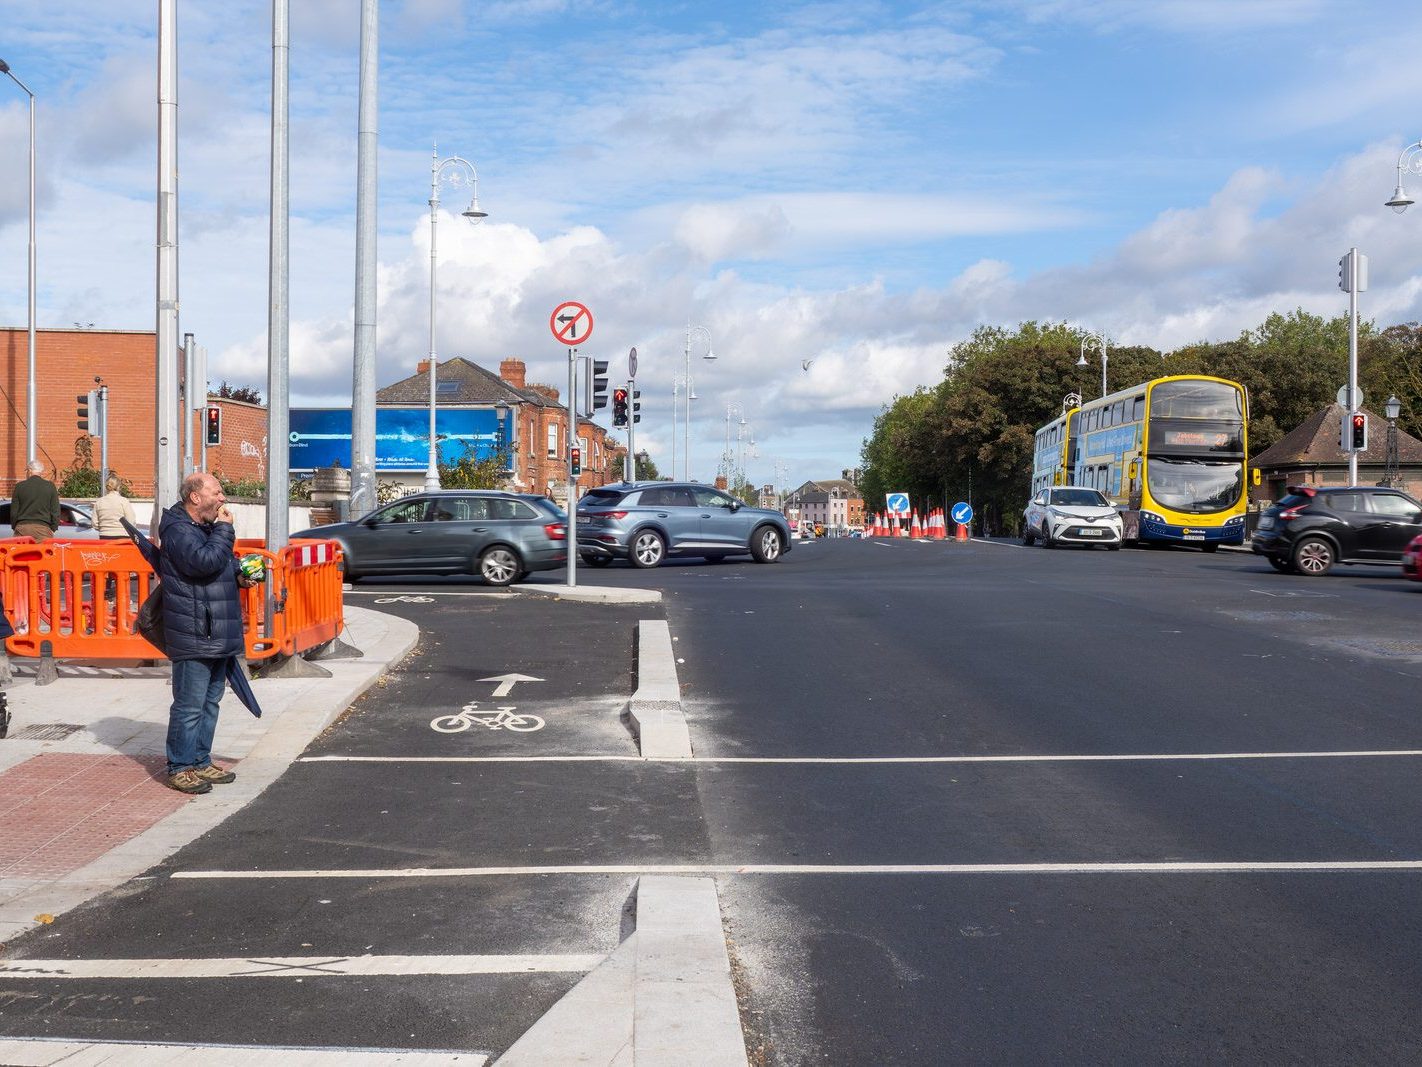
{"points": [[244, 393], [974, 429], [81, 479], [471, 471], [646, 469]]}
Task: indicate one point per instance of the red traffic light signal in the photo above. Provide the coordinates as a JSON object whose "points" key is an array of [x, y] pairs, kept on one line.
{"points": [[619, 406], [577, 458], [1359, 429], [213, 423]]}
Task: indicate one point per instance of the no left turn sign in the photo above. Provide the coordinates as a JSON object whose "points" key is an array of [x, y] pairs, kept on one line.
{"points": [[571, 323]]}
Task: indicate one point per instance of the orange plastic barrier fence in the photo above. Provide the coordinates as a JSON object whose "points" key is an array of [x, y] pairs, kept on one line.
{"points": [[82, 598]]}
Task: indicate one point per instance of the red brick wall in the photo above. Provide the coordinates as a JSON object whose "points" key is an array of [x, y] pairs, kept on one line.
{"points": [[242, 455], [65, 364]]}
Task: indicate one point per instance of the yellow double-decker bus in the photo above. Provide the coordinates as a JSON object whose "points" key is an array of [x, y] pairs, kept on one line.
{"points": [[1170, 454]]}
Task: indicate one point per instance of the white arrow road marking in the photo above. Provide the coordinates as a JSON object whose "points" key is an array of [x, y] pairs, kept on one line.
{"points": [[506, 682]]}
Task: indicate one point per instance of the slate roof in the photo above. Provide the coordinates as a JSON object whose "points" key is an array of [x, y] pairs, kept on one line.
{"points": [[1315, 441], [475, 386]]}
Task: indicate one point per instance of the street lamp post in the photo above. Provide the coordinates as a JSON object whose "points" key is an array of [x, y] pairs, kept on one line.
{"points": [[464, 171], [30, 445], [1409, 159], [699, 331], [1081, 360], [1392, 474]]}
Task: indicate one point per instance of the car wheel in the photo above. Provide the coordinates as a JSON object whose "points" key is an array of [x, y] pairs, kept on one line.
{"points": [[1047, 541], [499, 566], [648, 550], [1028, 536], [1313, 556], [765, 544], [1283, 566], [597, 561]]}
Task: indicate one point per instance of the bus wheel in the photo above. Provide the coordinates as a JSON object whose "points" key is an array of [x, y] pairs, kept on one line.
{"points": [[1210, 548]]}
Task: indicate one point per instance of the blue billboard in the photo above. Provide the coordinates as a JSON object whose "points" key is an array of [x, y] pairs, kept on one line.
{"points": [[320, 437]]}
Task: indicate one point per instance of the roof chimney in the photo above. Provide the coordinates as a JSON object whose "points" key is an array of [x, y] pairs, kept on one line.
{"points": [[422, 367], [514, 371]]}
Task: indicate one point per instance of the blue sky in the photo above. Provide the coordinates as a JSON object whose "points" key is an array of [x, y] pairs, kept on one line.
{"points": [[857, 184]]}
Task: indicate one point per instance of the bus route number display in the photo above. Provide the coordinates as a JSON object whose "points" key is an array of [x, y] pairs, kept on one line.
{"points": [[1196, 438]]}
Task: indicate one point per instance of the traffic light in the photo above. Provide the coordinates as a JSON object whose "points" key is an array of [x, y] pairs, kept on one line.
{"points": [[213, 422], [1358, 423], [88, 409], [596, 398], [577, 455], [1353, 272], [636, 405], [619, 406]]}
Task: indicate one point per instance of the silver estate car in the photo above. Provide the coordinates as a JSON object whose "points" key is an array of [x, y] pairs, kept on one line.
{"points": [[499, 536], [645, 522]]}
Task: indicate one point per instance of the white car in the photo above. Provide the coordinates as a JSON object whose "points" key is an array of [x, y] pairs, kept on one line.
{"points": [[1072, 514]]}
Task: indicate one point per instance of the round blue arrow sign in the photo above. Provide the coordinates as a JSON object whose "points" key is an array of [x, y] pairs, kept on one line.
{"points": [[962, 513]]}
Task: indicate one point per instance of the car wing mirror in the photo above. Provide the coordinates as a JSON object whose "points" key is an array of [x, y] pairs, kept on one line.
{"points": [[735, 506]]}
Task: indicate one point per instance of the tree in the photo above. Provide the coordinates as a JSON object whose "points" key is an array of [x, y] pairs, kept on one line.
{"points": [[81, 478], [471, 471], [645, 469], [243, 393]]}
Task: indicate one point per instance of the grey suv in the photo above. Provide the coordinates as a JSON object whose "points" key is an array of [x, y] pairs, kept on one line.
{"points": [[644, 522], [499, 536]]}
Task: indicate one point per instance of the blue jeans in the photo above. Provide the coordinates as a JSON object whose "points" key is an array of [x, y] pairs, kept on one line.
{"points": [[197, 690]]}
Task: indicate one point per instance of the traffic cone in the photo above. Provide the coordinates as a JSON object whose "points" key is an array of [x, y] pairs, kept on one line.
{"points": [[917, 530], [938, 532], [962, 534]]}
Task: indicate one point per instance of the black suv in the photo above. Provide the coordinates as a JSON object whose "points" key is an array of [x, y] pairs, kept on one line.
{"points": [[1312, 528]]}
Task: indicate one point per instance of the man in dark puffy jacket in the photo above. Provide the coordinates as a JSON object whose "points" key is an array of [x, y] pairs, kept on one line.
{"points": [[202, 621]]}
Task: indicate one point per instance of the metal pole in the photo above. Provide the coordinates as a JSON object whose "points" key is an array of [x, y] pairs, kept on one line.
{"points": [[185, 407], [686, 424], [278, 306], [1103, 366], [1352, 356], [104, 439], [166, 456], [432, 467], [200, 405], [572, 481], [629, 465], [31, 446], [676, 395], [363, 365]]}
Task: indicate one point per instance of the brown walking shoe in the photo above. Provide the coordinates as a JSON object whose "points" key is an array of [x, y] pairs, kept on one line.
{"points": [[216, 775], [187, 781]]}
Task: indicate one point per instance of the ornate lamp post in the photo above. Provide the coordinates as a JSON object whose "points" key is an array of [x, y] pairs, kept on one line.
{"points": [[1410, 159], [1392, 474], [463, 171], [1081, 360]]}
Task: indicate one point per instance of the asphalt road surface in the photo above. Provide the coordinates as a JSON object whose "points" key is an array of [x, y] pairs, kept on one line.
{"points": [[964, 803]]}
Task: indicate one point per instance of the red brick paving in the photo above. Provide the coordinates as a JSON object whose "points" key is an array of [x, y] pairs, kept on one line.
{"points": [[59, 811]]}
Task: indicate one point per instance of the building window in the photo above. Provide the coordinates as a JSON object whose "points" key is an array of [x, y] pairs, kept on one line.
{"points": [[552, 440]]}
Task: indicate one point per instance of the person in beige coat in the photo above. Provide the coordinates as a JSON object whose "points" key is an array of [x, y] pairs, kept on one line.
{"points": [[109, 509]]}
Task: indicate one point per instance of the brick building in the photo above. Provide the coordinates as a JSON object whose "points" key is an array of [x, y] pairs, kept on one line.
{"points": [[834, 503], [540, 422]]}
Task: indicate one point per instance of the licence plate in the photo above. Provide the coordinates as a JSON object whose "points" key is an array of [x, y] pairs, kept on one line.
{"points": [[1192, 537], [1091, 533]]}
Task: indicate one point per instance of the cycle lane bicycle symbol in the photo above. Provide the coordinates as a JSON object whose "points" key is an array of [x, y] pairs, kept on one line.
{"points": [[404, 600], [502, 719]]}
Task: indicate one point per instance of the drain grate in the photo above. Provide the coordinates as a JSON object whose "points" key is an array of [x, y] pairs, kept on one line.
{"points": [[49, 731]]}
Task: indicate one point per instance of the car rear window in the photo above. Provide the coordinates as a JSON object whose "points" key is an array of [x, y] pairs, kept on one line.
{"points": [[602, 498], [1293, 500]]}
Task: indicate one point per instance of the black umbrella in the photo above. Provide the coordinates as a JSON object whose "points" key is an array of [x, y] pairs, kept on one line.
{"points": [[236, 676]]}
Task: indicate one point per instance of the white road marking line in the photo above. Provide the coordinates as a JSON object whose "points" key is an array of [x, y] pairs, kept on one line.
{"points": [[1085, 758], [1000, 544], [1169, 867], [46, 1051], [419, 592], [297, 966]]}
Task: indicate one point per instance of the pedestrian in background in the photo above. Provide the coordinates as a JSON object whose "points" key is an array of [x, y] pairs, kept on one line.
{"points": [[109, 512], [202, 620], [34, 506]]}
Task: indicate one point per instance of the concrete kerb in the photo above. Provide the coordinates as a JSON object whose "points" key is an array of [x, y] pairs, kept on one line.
{"points": [[279, 745], [592, 594], [663, 998], [655, 708]]}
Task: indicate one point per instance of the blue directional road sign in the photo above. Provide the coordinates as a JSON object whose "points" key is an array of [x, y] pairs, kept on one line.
{"points": [[897, 503], [962, 513]]}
